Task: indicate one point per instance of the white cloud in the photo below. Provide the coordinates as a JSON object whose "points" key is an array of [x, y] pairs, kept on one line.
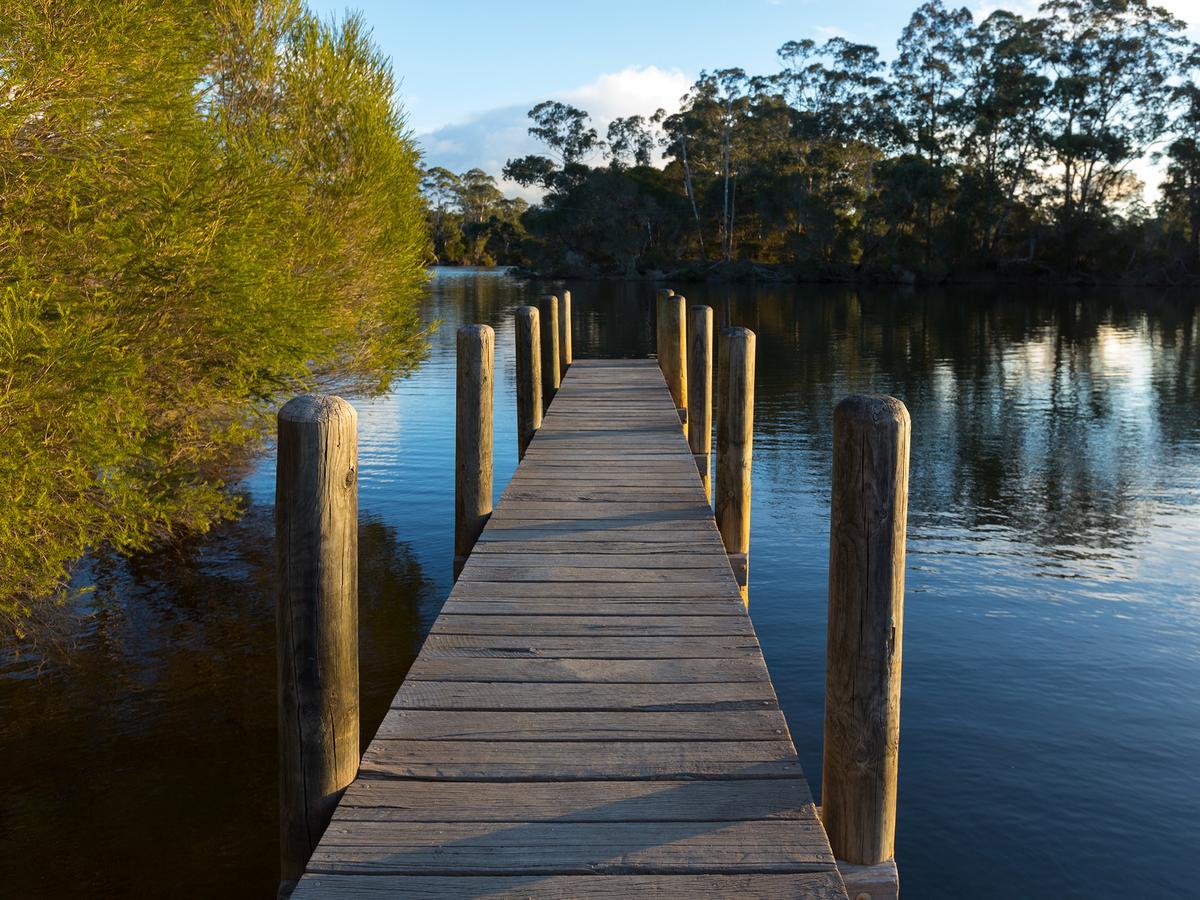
{"points": [[487, 139]]}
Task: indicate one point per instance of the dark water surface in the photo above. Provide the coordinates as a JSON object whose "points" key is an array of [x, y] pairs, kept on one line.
{"points": [[1050, 733]]}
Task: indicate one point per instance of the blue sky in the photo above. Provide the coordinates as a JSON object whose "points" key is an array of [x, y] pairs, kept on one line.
{"points": [[469, 70]]}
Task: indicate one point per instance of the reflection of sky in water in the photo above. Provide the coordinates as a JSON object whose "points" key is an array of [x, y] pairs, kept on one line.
{"points": [[1050, 741]]}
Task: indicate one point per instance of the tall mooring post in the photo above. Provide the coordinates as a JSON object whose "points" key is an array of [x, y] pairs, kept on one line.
{"points": [[551, 372], [473, 439], [316, 614], [735, 444], [529, 376], [868, 518], [699, 384], [671, 340], [564, 338]]}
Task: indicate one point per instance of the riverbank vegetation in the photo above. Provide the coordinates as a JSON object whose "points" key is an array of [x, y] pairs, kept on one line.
{"points": [[203, 204], [1011, 147]]}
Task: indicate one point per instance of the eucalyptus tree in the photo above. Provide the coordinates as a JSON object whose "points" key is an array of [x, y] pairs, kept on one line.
{"points": [[1002, 118], [1111, 66], [631, 138], [927, 74]]}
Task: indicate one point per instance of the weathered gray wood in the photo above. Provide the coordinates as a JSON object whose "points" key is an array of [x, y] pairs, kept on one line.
{"points": [[587, 801], [590, 647], [868, 516], [440, 725], [566, 626], [592, 698], [581, 848], [564, 341], [316, 547], [529, 376], [551, 372], [615, 671], [672, 351], [472, 438], [567, 697], [793, 886], [699, 384], [575, 606], [735, 443], [878, 882], [579, 760]]}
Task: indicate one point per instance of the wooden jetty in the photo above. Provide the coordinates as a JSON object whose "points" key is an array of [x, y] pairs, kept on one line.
{"points": [[591, 714]]}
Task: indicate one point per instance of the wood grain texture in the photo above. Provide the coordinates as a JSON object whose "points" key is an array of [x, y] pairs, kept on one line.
{"points": [[551, 363], [672, 351], [699, 386], [735, 444], [399, 800], [580, 848], [565, 352], [472, 438], [529, 376], [793, 886], [316, 547], [868, 517], [590, 714]]}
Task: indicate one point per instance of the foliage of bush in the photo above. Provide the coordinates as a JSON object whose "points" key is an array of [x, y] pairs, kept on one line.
{"points": [[203, 204]]}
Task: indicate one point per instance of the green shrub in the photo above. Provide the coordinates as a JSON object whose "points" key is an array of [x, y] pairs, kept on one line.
{"points": [[202, 205]]}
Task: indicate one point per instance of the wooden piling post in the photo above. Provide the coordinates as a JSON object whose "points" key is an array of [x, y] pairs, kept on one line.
{"points": [[699, 383], [735, 443], [316, 614], [473, 439], [551, 374], [529, 376], [868, 516], [564, 340], [672, 350]]}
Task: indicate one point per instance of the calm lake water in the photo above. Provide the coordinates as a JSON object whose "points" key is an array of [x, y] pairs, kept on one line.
{"points": [[1050, 733]]}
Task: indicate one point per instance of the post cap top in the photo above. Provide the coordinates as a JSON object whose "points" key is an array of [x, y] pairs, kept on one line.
{"points": [[316, 408], [481, 331], [872, 408]]}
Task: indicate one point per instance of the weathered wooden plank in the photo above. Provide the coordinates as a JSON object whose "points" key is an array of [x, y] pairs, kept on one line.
{"points": [[406, 800], [580, 848], [590, 647], [688, 559], [631, 671], [661, 626], [562, 606], [792, 886], [591, 714], [644, 591], [476, 725], [567, 697]]}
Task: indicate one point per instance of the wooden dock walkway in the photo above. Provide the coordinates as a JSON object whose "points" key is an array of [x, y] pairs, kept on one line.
{"points": [[590, 715]]}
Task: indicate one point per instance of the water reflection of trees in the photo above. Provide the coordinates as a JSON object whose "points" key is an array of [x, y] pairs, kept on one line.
{"points": [[179, 653], [1047, 415]]}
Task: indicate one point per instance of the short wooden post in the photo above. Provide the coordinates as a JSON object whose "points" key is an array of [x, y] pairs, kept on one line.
{"points": [[316, 616], [672, 350], [699, 382], [551, 374], [868, 516], [735, 443], [564, 340], [529, 377], [472, 439]]}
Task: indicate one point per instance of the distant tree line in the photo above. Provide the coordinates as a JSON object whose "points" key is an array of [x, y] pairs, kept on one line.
{"points": [[1006, 147], [470, 220]]}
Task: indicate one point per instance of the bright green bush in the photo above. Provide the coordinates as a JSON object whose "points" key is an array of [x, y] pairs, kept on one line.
{"points": [[202, 205]]}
